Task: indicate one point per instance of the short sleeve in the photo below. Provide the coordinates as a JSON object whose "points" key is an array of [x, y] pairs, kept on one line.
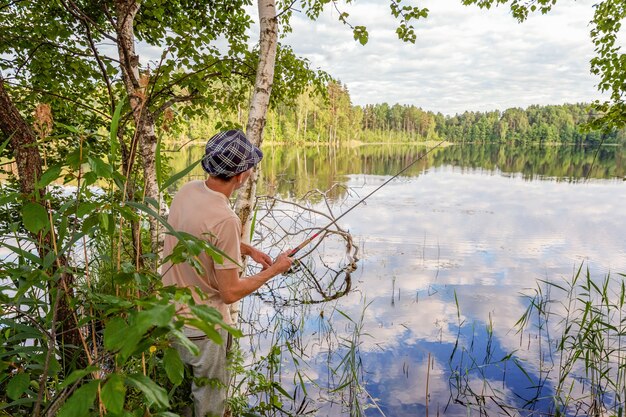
{"points": [[227, 239]]}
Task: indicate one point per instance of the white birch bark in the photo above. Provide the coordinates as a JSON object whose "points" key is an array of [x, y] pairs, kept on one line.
{"points": [[259, 104], [257, 115], [144, 120]]}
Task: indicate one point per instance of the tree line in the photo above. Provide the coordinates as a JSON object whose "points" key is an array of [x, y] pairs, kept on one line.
{"points": [[329, 117]]}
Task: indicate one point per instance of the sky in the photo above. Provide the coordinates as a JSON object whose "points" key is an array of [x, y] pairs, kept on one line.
{"points": [[464, 58]]}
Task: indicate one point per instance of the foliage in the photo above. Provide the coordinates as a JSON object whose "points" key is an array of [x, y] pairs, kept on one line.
{"points": [[609, 63], [404, 14], [331, 118], [65, 59], [125, 362]]}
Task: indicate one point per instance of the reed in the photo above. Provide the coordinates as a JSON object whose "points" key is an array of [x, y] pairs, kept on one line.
{"points": [[573, 335], [587, 353]]}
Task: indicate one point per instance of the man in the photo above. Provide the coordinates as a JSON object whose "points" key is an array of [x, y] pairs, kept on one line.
{"points": [[202, 208]]}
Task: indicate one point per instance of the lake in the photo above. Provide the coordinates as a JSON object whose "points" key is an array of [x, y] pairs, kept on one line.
{"points": [[448, 255]]}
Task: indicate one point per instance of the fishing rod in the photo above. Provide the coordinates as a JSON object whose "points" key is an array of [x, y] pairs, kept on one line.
{"points": [[310, 239]]}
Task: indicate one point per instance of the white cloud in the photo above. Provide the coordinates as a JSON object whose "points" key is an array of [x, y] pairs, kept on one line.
{"points": [[464, 58]]}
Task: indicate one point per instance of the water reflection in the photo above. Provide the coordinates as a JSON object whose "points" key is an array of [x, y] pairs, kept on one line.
{"points": [[480, 240], [293, 171], [446, 253]]}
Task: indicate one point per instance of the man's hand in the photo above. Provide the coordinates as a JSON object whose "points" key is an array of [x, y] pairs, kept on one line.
{"points": [[259, 257], [283, 262]]}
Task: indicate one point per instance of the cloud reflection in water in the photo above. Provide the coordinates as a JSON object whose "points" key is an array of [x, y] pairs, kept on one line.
{"points": [[486, 238]]}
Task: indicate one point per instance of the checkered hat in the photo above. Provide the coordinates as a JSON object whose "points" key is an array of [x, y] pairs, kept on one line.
{"points": [[230, 153]]}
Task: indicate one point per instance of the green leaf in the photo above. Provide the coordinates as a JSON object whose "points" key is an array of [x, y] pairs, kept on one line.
{"points": [[4, 144], [68, 127], [115, 333], [50, 175], [216, 253], [113, 393], [113, 301], [86, 208], [185, 342], [89, 178], [208, 329], [280, 389], [77, 375], [17, 385], [125, 338], [174, 366], [171, 180], [23, 253], [155, 395], [107, 223], [8, 198], [35, 217], [90, 222], [81, 401], [115, 122], [159, 315], [100, 168], [119, 180], [360, 34], [21, 401], [151, 212]]}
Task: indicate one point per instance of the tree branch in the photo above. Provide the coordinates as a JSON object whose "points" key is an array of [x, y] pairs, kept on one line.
{"points": [[285, 9], [101, 66], [175, 99], [78, 14], [73, 52], [9, 4], [37, 90]]}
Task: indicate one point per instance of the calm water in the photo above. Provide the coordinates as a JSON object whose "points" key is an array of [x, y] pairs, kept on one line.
{"points": [[447, 253]]}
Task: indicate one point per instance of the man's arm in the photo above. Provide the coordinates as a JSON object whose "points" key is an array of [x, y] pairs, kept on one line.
{"points": [[232, 288]]}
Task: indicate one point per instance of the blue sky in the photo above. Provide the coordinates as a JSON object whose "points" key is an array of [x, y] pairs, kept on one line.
{"points": [[464, 58]]}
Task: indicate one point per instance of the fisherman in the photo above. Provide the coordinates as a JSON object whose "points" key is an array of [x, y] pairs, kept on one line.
{"points": [[203, 209]]}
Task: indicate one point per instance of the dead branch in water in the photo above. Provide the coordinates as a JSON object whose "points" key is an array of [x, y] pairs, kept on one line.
{"points": [[323, 271]]}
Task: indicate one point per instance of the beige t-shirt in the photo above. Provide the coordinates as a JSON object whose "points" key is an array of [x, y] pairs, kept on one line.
{"points": [[206, 214]]}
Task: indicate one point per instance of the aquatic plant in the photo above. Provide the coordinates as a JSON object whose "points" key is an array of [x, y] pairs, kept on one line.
{"points": [[572, 354]]}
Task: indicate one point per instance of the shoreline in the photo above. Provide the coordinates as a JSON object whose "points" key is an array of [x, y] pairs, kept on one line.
{"points": [[357, 143]]}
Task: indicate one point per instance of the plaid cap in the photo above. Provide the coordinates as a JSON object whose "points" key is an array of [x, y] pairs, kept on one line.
{"points": [[230, 153]]}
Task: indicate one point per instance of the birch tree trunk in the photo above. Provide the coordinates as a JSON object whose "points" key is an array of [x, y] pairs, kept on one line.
{"points": [[144, 120], [259, 104], [257, 115]]}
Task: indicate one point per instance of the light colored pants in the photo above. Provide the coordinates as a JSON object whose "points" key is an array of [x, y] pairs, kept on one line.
{"points": [[209, 388]]}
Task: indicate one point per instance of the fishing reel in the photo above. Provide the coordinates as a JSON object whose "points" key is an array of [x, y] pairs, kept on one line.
{"points": [[296, 266]]}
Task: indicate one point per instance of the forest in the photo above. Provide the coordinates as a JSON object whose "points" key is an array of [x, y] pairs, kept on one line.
{"points": [[327, 116]]}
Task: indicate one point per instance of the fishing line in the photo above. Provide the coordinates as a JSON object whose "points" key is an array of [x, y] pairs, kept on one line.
{"points": [[310, 239]]}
